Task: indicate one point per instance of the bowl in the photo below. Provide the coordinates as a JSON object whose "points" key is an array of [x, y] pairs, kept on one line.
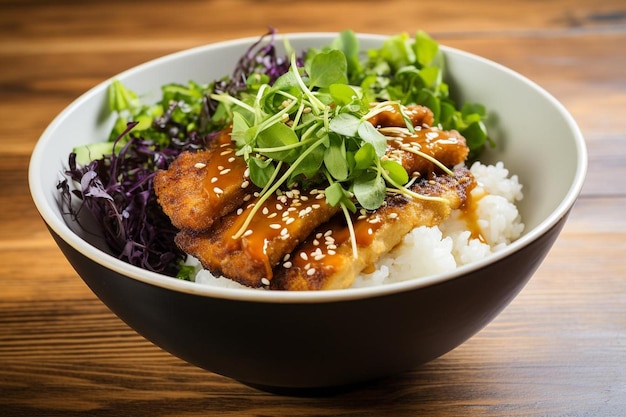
{"points": [[311, 341]]}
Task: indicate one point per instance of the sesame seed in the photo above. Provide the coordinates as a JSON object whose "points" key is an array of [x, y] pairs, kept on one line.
{"points": [[225, 171], [279, 207], [320, 196], [213, 180], [272, 215], [304, 256], [284, 232], [331, 252], [265, 211], [287, 264], [310, 272], [290, 220], [328, 233], [286, 257], [275, 226], [218, 190], [393, 215], [318, 236], [370, 231], [226, 152], [247, 233], [239, 211], [304, 198], [315, 206], [199, 165], [247, 197], [319, 257], [219, 167], [231, 159], [316, 242], [245, 184], [265, 281]]}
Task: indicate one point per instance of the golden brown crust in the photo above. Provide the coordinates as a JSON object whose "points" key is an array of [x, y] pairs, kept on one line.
{"points": [[199, 187], [417, 114], [281, 223], [325, 260]]}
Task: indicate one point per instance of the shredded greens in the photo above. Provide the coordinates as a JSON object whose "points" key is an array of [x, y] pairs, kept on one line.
{"points": [[298, 120]]}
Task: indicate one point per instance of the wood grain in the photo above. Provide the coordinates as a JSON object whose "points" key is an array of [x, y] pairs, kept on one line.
{"points": [[560, 347]]}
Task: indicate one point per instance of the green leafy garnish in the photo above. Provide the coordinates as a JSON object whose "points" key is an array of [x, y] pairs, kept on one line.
{"points": [[311, 125]]}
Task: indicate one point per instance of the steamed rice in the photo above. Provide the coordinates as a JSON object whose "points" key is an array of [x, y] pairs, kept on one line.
{"points": [[432, 250]]}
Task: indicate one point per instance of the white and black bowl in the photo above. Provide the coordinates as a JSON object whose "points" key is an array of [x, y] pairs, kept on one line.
{"points": [[317, 340]]}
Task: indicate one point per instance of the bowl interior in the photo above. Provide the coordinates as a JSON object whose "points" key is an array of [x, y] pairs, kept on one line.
{"points": [[536, 138]]}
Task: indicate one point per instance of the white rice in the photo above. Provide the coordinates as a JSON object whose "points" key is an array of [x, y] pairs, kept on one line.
{"points": [[432, 250]]}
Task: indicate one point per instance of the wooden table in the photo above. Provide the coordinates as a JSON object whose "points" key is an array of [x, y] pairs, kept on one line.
{"points": [[558, 349]]}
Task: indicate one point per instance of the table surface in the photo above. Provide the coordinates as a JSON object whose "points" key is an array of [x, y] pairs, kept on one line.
{"points": [[558, 349]]}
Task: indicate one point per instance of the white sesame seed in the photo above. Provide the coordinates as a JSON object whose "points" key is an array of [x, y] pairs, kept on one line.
{"points": [[319, 256], [279, 207], [328, 233], [265, 281], [316, 242], [231, 159], [393, 215], [331, 252], [239, 211], [265, 210], [272, 215], [200, 165], [225, 171], [247, 197], [310, 272], [287, 264], [319, 235], [213, 180], [304, 256], [245, 184], [218, 190], [320, 196], [370, 231], [275, 226], [219, 167], [247, 233], [284, 232], [290, 220], [226, 152], [286, 257]]}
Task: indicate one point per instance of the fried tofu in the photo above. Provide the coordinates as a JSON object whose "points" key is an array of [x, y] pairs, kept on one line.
{"points": [[248, 253], [200, 187], [325, 260]]}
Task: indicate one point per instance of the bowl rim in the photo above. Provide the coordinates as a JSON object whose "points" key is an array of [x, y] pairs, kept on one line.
{"points": [[60, 228]]}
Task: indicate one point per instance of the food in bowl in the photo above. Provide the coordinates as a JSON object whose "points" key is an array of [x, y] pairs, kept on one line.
{"points": [[295, 341], [300, 172]]}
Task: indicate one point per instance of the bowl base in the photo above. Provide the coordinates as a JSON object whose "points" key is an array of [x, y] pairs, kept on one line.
{"points": [[311, 392]]}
